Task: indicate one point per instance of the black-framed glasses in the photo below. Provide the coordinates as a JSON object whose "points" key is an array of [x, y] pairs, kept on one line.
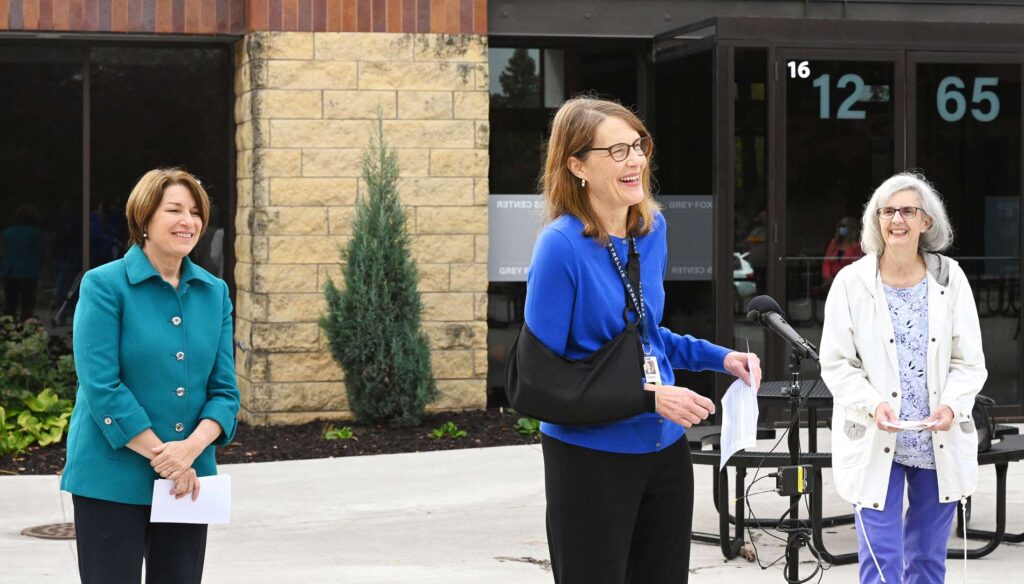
{"points": [[888, 213], [620, 152]]}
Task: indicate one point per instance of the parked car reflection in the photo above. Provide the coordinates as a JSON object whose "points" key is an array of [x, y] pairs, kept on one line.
{"points": [[744, 280]]}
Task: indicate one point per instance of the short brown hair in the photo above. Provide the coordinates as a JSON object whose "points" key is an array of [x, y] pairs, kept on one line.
{"points": [[572, 130], [149, 193]]}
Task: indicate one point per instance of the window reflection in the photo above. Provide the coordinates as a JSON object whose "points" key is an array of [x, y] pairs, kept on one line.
{"points": [[143, 113], [527, 85], [41, 162], [750, 248], [969, 146], [840, 144]]}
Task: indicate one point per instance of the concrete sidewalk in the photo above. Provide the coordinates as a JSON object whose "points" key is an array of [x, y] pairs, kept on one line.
{"points": [[464, 516]]}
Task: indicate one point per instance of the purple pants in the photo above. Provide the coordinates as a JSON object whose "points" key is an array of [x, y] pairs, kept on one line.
{"points": [[911, 549]]}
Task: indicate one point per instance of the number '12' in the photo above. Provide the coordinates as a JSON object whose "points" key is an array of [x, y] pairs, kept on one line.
{"points": [[846, 110]]}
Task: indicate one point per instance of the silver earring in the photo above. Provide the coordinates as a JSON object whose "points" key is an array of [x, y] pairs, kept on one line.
{"points": [[145, 235], [583, 182]]}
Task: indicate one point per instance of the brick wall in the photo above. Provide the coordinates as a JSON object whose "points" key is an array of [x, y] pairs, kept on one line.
{"points": [[304, 108], [210, 17]]}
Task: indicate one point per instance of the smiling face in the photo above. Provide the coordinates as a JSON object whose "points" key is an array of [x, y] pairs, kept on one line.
{"points": [[612, 185], [900, 233], [175, 226]]}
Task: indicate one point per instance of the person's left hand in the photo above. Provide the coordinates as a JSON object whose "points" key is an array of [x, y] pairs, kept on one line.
{"points": [[944, 417], [746, 366], [186, 485], [173, 459]]}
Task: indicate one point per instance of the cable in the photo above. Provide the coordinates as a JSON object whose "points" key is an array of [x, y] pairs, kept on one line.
{"points": [[807, 505], [802, 536], [963, 519], [864, 530]]}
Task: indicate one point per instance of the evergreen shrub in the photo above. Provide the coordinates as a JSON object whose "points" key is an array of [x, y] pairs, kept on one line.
{"points": [[373, 323]]}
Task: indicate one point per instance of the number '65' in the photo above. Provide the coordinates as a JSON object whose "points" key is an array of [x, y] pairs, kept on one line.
{"points": [[952, 104]]}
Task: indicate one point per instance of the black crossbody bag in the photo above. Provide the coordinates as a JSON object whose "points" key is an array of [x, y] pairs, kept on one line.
{"points": [[605, 387]]}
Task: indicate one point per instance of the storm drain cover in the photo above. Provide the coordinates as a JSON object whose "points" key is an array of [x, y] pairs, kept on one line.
{"points": [[52, 531]]}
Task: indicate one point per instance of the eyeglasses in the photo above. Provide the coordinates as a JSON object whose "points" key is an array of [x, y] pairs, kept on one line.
{"points": [[888, 213], [620, 152]]}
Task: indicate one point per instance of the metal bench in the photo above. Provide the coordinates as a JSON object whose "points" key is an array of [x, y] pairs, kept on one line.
{"points": [[1009, 449], [742, 461]]}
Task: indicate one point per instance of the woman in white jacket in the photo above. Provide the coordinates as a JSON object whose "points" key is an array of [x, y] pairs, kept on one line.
{"points": [[901, 343]]}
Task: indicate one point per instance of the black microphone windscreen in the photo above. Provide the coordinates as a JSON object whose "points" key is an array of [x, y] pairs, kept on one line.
{"points": [[763, 304]]}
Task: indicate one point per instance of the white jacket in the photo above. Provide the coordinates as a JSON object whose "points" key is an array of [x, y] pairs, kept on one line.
{"points": [[859, 365]]}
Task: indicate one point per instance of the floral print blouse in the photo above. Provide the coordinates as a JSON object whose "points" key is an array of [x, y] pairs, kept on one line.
{"points": [[908, 309]]}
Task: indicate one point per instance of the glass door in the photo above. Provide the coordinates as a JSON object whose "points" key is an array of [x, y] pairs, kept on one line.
{"points": [[965, 136], [841, 134], [41, 160], [79, 124]]}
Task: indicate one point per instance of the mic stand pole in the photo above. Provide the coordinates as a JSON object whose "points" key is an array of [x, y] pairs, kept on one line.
{"points": [[794, 541]]}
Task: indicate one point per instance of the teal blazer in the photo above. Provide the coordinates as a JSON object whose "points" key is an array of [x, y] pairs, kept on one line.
{"points": [[147, 356]]}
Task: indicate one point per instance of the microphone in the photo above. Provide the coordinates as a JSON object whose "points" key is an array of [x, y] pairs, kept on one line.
{"points": [[765, 311]]}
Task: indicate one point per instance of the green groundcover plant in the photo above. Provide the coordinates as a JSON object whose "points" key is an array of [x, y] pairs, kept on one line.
{"points": [[37, 382], [37, 419]]}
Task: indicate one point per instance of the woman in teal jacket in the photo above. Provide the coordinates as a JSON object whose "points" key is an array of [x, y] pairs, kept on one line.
{"points": [[156, 389]]}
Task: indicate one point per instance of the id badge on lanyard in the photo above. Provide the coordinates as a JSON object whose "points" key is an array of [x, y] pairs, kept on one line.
{"points": [[652, 372]]}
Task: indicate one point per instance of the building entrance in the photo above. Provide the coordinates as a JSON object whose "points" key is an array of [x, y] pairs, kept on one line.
{"points": [[812, 121], [81, 122]]}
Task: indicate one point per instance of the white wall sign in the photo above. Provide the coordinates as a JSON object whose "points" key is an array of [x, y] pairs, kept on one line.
{"points": [[515, 220]]}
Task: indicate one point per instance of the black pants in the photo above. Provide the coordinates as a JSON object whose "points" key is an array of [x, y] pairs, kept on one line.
{"points": [[19, 292], [618, 518], [114, 538]]}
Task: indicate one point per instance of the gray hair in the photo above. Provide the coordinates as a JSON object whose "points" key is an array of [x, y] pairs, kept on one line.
{"points": [[937, 238]]}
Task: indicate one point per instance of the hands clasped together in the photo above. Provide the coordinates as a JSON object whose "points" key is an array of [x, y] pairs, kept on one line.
{"points": [[689, 408], [173, 460]]}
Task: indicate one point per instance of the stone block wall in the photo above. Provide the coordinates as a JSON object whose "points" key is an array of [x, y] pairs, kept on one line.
{"points": [[305, 106]]}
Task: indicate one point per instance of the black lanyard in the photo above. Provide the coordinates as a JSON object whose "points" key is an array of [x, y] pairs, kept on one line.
{"points": [[634, 287]]}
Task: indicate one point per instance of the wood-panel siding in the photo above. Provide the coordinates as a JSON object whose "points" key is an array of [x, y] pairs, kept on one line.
{"points": [[240, 16]]}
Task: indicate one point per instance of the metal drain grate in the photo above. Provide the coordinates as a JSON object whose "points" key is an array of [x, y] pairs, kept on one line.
{"points": [[52, 531]]}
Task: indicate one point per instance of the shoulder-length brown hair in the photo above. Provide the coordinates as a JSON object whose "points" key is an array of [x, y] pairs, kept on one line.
{"points": [[572, 130], [149, 193]]}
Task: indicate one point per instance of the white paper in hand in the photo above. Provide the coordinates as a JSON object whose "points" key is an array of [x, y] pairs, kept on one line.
{"points": [[212, 506], [755, 377], [910, 424], [739, 420]]}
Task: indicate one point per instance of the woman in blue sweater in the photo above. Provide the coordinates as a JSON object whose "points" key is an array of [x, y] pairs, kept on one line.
{"points": [[620, 495]]}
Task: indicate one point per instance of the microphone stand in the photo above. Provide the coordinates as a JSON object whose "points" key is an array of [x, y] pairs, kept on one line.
{"points": [[793, 541]]}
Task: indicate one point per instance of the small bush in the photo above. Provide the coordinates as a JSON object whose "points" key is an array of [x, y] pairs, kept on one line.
{"points": [[373, 323], [29, 362]]}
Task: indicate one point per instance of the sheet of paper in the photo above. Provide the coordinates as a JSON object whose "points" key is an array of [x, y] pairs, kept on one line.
{"points": [[911, 424], [739, 420], [755, 378], [212, 506]]}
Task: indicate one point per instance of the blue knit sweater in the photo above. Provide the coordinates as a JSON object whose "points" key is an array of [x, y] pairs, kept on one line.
{"points": [[574, 304]]}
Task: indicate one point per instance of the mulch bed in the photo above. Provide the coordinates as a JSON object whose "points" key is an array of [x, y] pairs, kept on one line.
{"points": [[268, 443]]}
